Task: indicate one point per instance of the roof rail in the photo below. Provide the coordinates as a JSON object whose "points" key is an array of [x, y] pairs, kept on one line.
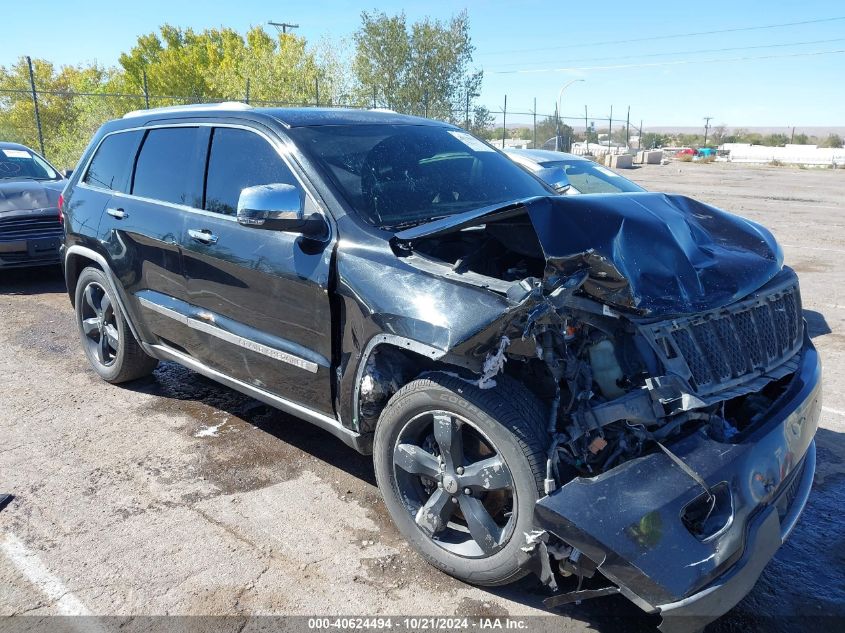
{"points": [[199, 107]]}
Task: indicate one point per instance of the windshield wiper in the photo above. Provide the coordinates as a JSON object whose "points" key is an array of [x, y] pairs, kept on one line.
{"points": [[410, 223]]}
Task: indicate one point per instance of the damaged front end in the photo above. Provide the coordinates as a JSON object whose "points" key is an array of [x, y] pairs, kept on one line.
{"points": [[666, 339]]}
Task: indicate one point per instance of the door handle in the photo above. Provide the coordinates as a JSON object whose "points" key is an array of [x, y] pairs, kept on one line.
{"points": [[205, 236], [117, 213]]}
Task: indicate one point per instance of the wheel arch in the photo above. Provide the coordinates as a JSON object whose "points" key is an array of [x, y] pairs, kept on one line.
{"points": [[77, 258], [391, 361]]}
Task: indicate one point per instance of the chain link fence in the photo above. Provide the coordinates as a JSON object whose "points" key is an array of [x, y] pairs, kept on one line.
{"points": [[59, 123]]}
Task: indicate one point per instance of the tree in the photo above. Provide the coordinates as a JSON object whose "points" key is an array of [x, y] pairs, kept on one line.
{"points": [[423, 68], [801, 139], [832, 140], [718, 133], [776, 140], [653, 140]]}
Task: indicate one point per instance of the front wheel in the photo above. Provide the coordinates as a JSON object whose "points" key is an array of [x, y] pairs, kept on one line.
{"points": [[460, 469]]}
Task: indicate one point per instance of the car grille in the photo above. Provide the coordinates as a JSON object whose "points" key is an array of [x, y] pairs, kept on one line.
{"points": [[28, 228], [731, 345]]}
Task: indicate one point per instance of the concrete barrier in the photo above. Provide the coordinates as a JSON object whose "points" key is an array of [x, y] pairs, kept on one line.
{"points": [[621, 161]]}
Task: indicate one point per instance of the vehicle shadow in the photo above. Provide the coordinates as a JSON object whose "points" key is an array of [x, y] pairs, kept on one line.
{"points": [[816, 323], [32, 281], [175, 382]]}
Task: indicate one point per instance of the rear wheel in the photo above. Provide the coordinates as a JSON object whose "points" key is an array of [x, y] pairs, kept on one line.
{"points": [[460, 469], [106, 338]]}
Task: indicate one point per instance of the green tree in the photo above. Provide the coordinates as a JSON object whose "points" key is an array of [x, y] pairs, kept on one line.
{"points": [[832, 140], [653, 140], [421, 68], [801, 139], [776, 140]]}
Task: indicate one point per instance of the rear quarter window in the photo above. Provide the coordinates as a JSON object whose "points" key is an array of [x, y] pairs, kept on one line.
{"points": [[112, 162]]}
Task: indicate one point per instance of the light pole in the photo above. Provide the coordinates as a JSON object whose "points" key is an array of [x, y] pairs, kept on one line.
{"points": [[559, 96]]}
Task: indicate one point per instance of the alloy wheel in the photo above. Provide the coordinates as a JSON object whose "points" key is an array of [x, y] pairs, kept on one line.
{"points": [[455, 484], [99, 324]]}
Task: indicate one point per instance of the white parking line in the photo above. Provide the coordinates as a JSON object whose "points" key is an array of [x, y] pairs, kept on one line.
{"points": [[28, 563]]}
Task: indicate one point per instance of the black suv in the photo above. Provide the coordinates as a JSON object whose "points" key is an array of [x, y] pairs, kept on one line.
{"points": [[564, 385]]}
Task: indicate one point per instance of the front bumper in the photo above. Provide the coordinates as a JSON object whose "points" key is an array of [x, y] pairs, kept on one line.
{"points": [[30, 238], [629, 519]]}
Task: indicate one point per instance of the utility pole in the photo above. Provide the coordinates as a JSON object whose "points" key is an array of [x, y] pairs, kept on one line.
{"points": [[317, 90], [283, 26], [640, 137], [504, 121], [35, 105], [374, 96], [706, 128], [628, 128], [586, 132], [535, 123], [792, 136], [246, 97], [557, 129], [609, 128]]}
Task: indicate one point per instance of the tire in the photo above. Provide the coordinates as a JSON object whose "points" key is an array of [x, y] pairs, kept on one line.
{"points": [[416, 471], [105, 335]]}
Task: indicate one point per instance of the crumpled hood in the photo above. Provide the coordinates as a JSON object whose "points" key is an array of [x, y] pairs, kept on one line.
{"points": [[655, 253], [660, 254], [17, 195]]}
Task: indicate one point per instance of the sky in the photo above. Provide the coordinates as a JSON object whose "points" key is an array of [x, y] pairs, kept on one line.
{"points": [[673, 76]]}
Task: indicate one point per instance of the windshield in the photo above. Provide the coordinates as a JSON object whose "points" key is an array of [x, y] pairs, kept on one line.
{"points": [[21, 163], [396, 176], [589, 177]]}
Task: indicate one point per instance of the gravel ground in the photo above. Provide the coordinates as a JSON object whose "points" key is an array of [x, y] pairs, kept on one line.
{"points": [[177, 496]]}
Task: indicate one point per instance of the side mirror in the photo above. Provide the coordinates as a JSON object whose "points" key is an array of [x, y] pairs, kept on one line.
{"points": [[555, 177], [67, 173], [278, 207]]}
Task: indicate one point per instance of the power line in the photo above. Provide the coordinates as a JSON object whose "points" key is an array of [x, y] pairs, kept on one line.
{"points": [[666, 37], [676, 62], [703, 50]]}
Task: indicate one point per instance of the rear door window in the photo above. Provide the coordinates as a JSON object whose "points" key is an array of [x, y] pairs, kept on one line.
{"points": [[167, 167], [112, 163], [239, 159]]}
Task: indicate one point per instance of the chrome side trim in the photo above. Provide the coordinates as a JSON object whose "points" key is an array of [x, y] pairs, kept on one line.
{"points": [[229, 337], [164, 311], [253, 346], [325, 422]]}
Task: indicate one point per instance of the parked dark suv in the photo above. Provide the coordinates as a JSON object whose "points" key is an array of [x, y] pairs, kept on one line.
{"points": [[564, 385]]}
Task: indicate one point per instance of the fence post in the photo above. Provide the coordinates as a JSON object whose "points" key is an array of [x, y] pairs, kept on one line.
{"points": [[146, 92], [246, 96], [504, 121], [35, 105]]}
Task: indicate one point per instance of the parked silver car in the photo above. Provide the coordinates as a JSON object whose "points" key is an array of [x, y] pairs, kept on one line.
{"points": [[583, 174]]}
